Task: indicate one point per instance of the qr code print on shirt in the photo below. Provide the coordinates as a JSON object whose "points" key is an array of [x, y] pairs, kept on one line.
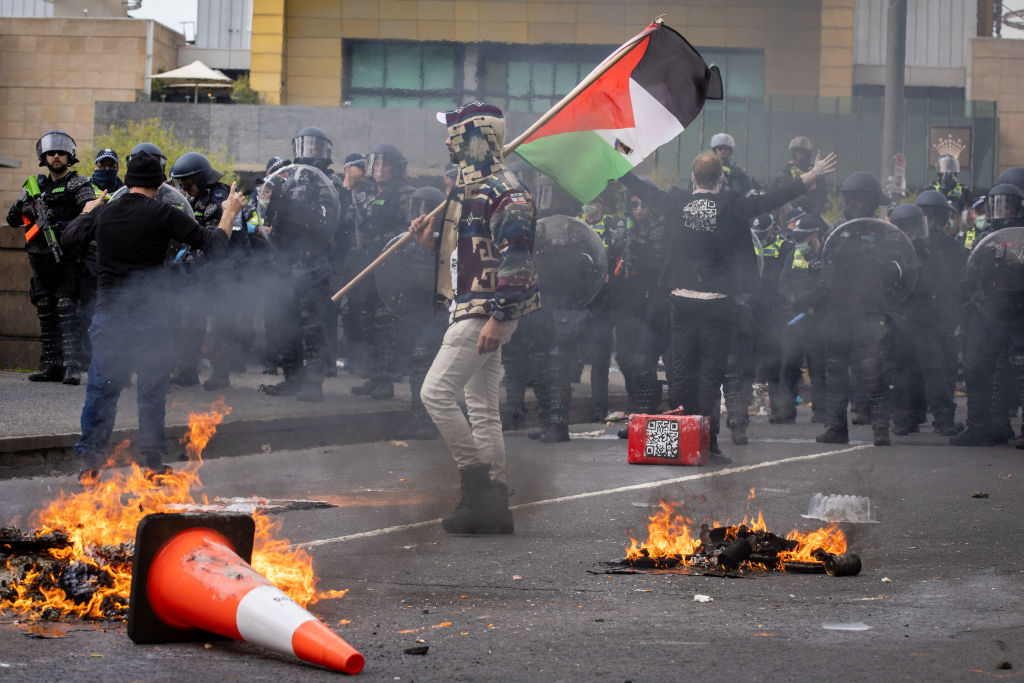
{"points": [[662, 439]]}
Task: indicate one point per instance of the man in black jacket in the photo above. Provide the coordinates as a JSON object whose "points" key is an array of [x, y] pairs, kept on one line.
{"points": [[709, 250], [132, 329]]}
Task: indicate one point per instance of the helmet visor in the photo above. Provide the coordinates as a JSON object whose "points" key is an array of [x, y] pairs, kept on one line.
{"points": [[55, 142], [1002, 206], [948, 164], [311, 147], [913, 226]]}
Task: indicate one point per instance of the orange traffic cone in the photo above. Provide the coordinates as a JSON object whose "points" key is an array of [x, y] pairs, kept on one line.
{"points": [[188, 579]]}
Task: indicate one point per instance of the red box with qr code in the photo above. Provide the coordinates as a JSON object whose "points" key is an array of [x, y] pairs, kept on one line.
{"points": [[669, 439]]}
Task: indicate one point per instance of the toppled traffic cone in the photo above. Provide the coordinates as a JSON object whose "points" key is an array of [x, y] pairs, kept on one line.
{"points": [[191, 578]]}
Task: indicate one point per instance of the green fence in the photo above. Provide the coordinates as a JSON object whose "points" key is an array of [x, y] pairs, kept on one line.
{"points": [[852, 127]]}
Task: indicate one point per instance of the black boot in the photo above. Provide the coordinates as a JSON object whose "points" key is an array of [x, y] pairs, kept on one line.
{"points": [[554, 433], [52, 369], [739, 434], [881, 435], [383, 390], [497, 518], [465, 518], [289, 387], [364, 389], [67, 313], [833, 435], [973, 436]]}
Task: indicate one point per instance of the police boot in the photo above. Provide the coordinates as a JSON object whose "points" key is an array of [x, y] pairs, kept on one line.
{"points": [[67, 313], [880, 434], [52, 369], [466, 518], [739, 434], [834, 435], [383, 390], [554, 433], [289, 387], [364, 389]]}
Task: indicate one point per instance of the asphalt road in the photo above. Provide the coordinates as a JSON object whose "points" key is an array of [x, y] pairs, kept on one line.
{"points": [[941, 589]]}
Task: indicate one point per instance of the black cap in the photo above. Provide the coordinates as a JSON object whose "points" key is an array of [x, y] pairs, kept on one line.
{"points": [[144, 171]]}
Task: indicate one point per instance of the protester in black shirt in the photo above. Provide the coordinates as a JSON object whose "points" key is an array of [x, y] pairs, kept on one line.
{"points": [[132, 328], [708, 255]]}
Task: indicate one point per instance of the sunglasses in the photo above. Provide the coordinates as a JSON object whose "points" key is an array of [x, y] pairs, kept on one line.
{"points": [[57, 153]]}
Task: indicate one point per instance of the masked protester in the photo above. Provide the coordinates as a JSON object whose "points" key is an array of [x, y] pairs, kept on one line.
{"points": [[50, 201], [132, 330], [104, 172], [487, 280], [709, 250]]}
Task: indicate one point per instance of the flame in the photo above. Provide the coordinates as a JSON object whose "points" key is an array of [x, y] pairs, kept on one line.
{"points": [[102, 520], [672, 536]]}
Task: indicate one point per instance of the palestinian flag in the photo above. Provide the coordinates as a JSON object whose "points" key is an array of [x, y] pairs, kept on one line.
{"points": [[641, 101]]}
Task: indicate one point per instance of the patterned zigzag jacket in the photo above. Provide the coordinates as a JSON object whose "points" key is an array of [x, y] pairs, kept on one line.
{"points": [[484, 264]]}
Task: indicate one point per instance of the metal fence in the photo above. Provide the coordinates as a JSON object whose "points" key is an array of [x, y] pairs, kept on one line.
{"points": [[850, 126]]}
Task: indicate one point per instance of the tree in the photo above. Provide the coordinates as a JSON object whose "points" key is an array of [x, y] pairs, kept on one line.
{"points": [[242, 92], [121, 139]]}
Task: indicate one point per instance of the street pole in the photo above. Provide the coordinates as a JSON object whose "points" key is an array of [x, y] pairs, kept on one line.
{"points": [[895, 64]]}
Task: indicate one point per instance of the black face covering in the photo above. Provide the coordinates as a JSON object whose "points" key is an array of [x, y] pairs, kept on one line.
{"points": [[105, 178]]}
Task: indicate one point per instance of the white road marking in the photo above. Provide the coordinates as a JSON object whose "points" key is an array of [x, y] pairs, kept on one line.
{"points": [[592, 494]]}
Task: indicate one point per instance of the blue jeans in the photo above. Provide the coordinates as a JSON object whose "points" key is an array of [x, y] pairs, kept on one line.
{"points": [[122, 342]]}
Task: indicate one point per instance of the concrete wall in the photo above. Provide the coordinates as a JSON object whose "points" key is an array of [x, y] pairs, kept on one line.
{"points": [[251, 134], [296, 48], [996, 74], [52, 71]]}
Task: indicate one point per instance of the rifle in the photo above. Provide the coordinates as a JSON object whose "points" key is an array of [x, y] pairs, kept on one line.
{"points": [[42, 224]]}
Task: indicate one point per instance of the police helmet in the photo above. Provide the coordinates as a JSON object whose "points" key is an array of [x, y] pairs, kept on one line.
{"points": [[1003, 202], [387, 153], [312, 143], [947, 163], [910, 219], [936, 209], [801, 142], [425, 199], [722, 140], [148, 148], [195, 164], [275, 163], [863, 188], [1013, 176], [56, 141], [762, 224]]}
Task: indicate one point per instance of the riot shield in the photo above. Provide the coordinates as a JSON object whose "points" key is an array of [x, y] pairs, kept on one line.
{"points": [[298, 207], [870, 258], [995, 276], [759, 250], [166, 194], [405, 281], [571, 262]]}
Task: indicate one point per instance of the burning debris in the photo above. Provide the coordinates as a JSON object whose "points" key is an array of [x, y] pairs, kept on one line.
{"points": [[78, 561], [745, 547]]}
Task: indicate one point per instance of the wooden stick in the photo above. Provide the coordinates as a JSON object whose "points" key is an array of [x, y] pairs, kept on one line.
{"points": [[598, 71]]}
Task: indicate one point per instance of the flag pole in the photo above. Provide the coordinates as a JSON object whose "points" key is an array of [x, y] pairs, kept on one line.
{"points": [[598, 71]]}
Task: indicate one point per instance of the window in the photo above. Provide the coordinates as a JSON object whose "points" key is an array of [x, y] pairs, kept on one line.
{"points": [[398, 74]]}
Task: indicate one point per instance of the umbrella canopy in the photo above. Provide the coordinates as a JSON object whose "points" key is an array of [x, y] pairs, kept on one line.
{"points": [[194, 75]]}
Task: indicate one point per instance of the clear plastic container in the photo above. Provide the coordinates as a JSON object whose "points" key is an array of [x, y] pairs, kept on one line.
{"points": [[841, 508]]}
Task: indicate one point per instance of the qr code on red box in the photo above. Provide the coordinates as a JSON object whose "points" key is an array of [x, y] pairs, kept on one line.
{"points": [[662, 439]]}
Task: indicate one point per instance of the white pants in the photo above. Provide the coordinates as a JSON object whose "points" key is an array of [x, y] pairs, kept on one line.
{"points": [[458, 366]]}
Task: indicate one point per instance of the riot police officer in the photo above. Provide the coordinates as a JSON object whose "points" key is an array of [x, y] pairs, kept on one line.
{"points": [[193, 175], [50, 201], [948, 184], [735, 178], [992, 323], [801, 151], [864, 262], [371, 329]]}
